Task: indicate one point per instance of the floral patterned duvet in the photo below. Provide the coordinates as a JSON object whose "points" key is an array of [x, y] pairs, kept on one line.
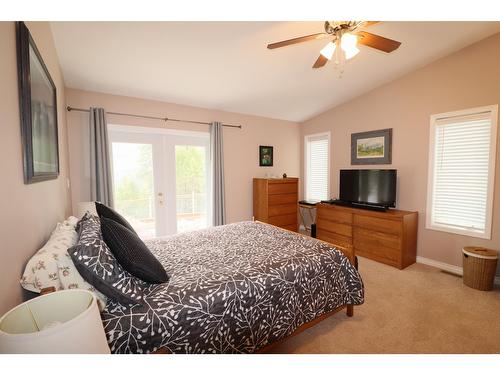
{"points": [[233, 289]]}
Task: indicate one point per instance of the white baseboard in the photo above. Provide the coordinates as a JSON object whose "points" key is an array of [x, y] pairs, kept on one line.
{"points": [[447, 267]]}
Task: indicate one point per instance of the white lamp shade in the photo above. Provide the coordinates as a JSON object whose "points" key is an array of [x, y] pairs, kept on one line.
{"points": [[348, 45], [328, 50], [66, 321], [83, 207]]}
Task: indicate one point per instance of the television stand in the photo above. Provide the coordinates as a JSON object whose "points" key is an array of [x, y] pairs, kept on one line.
{"points": [[371, 207], [388, 237]]}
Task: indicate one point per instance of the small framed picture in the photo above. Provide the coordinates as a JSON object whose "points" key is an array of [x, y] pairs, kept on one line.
{"points": [[373, 147], [265, 156]]}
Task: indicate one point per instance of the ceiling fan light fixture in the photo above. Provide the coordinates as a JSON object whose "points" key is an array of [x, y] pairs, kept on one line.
{"points": [[328, 50], [351, 53], [348, 44], [344, 37]]}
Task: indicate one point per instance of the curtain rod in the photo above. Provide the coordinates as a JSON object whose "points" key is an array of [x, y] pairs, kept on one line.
{"points": [[69, 109]]}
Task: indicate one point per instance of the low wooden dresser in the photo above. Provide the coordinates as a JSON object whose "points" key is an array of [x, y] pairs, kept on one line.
{"points": [[275, 201], [388, 237]]}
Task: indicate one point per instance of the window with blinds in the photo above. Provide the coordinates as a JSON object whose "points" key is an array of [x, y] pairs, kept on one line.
{"points": [[461, 171], [317, 165]]}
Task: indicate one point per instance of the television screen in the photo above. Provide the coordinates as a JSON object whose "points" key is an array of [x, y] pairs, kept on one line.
{"points": [[368, 186]]}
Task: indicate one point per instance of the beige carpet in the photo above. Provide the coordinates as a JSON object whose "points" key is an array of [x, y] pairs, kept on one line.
{"points": [[417, 310]]}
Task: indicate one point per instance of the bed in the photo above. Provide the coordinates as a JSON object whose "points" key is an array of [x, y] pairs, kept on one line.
{"points": [[237, 288]]}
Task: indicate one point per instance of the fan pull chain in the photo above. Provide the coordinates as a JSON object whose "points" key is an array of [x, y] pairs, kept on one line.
{"points": [[339, 62]]}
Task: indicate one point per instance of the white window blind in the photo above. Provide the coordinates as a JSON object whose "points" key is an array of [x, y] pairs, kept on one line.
{"points": [[462, 172], [317, 166]]}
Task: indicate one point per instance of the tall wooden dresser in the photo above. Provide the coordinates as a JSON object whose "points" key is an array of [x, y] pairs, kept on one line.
{"points": [[275, 201], [388, 237]]}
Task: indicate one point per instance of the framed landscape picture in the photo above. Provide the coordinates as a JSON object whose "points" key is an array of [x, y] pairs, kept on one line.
{"points": [[265, 156], [373, 147], [38, 110]]}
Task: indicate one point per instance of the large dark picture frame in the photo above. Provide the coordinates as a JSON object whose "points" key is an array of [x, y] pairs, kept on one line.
{"points": [[372, 147], [38, 111]]}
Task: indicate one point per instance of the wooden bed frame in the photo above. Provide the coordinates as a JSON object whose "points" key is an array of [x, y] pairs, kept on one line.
{"points": [[347, 251]]}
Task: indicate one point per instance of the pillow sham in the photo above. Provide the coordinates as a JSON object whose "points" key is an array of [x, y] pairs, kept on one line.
{"points": [[133, 254], [70, 278], [97, 265], [109, 213], [41, 271], [52, 266]]}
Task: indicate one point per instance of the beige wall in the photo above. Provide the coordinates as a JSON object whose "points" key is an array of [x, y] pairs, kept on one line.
{"points": [[466, 79], [29, 212], [240, 146]]}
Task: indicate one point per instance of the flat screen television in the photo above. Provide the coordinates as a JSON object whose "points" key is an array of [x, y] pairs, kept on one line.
{"points": [[372, 187]]}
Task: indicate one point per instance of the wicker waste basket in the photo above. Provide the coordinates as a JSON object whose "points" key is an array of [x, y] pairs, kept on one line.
{"points": [[479, 266]]}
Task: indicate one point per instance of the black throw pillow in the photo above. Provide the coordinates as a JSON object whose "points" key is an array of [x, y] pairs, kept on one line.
{"points": [[133, 254], [95, 262], [109, 213]]}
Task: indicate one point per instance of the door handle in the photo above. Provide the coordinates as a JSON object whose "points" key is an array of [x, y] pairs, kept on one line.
{"points": [[160, 199]]}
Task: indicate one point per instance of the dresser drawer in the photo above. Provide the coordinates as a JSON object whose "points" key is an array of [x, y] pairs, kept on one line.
{"points": [[377, 238], [283, 220], [282, 209], [278, 199], [379, 255], [283, 188], [376, 250], [333, 238], [292, 227], [378, 224], [333, 214], [332, 226]]}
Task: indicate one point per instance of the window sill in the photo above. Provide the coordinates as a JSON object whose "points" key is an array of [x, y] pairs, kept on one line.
{"points": [[463, 232]]}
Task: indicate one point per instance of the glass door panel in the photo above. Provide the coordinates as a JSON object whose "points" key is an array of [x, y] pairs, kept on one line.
{"points": [[191, 187], [133, 185]]}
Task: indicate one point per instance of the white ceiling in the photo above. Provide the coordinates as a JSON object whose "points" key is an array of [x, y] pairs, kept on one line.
{"points": [[226, 65]]}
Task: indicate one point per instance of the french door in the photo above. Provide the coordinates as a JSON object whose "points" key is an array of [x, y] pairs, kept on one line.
{"points": [[161, 179]]}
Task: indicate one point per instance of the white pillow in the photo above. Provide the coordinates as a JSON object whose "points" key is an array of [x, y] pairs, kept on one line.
{"points": [[52, 266], [70, 278], [42, 271]]}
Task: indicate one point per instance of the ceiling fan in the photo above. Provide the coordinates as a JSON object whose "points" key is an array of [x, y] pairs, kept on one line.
{"points": [[345, 36]]}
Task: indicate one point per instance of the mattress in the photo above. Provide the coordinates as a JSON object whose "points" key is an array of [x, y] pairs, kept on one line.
{"points": [[233, 289]]}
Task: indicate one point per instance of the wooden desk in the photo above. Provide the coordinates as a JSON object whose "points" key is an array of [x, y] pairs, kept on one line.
{"points": [[310, 207]]}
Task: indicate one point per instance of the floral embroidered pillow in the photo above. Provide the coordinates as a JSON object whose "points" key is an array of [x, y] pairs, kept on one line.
{"points": [[42, 271], [97, 265], [71, 279], [52, 266]]}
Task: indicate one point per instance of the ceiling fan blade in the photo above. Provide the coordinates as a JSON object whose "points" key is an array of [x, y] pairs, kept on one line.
{"points": [[300, 39], [320, 62], [377, 42]]}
